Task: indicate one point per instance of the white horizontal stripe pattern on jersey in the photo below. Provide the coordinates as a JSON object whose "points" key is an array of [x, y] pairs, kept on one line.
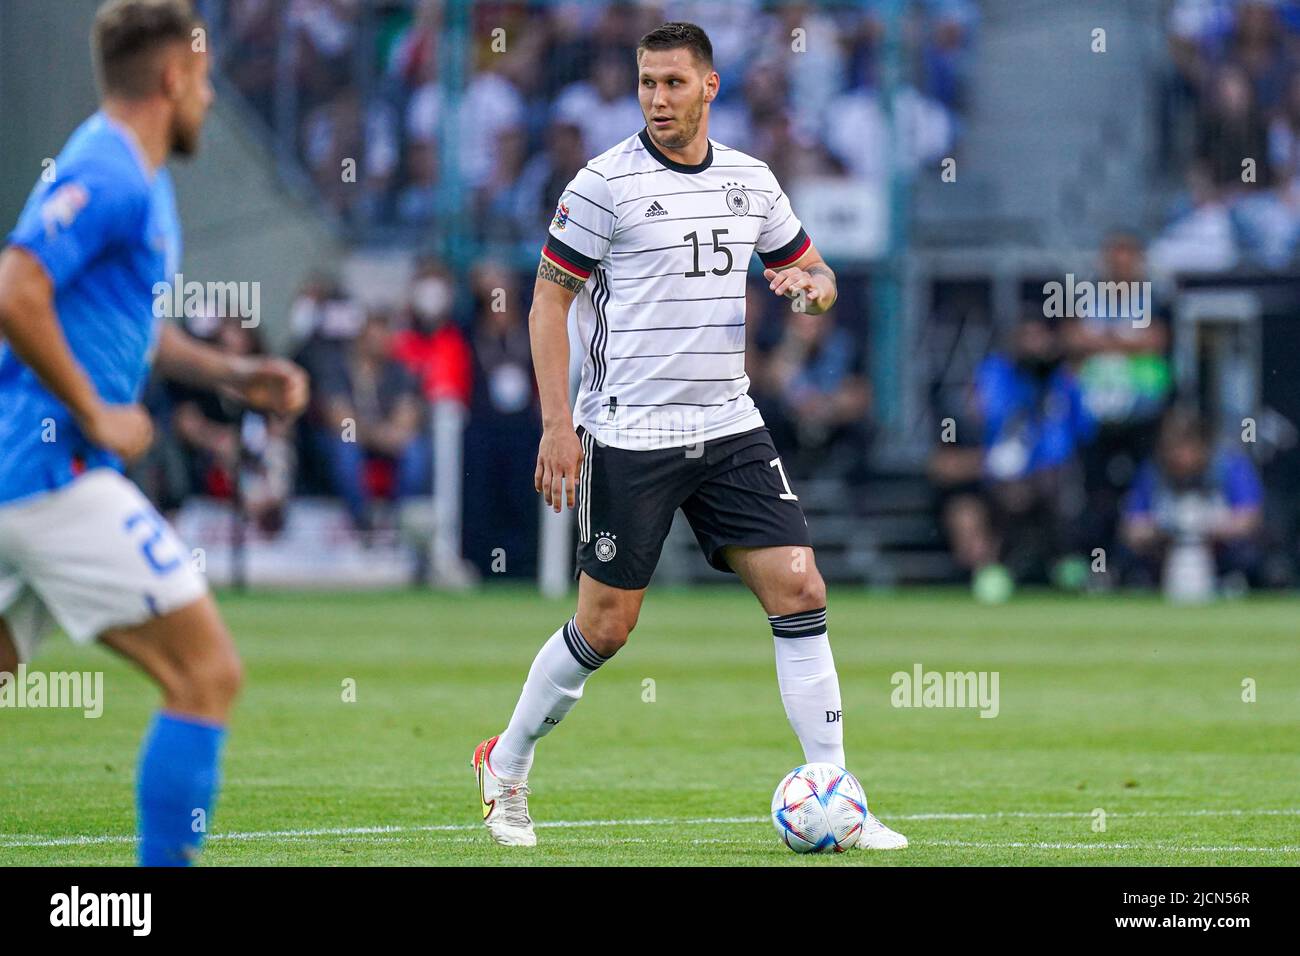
{"points": [[664, 331]]}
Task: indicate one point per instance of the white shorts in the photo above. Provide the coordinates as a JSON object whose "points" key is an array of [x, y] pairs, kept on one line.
{"points": [[92, 556]]}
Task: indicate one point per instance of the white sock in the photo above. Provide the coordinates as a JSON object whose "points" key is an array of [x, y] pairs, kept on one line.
{"points": [[810, 688], [554, 685]]}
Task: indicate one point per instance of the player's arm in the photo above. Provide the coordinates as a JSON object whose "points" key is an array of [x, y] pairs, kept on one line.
{"points": [[29, 324], [578, 239], [809, 278], [262, 382], [559, 456]]}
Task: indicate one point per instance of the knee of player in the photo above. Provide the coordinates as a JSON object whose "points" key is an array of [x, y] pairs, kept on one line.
{"points": [[212, 679], [808, 592], [608, 633], [228, 676]]}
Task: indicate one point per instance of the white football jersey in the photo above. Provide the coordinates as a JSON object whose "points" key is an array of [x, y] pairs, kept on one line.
{"points": [[664, 248]]}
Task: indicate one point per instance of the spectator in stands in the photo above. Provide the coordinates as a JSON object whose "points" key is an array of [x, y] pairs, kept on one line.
{"points": [[433, 348], [945, 50], [1195, 510], [232, 451], [822, 399], [332, 135], [604, 108], [413, 57], [794, 156], [323, 319], [377, 170], [326, 33], [417, 203], [1119, 354], [855, 129], [251, 47], [520, 215], [812, 81], [1258, 47], [511, 154], [373, 436], [1284, 137], [1013, 504], [490, 113], [1231, 127], [570, 46], [503, 431]]}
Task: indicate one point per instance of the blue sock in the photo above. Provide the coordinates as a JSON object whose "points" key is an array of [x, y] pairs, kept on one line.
{"points": [[178, 775]]}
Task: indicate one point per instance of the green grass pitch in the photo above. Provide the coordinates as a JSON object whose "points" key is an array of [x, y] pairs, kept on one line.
{"points": [[1122, 705]]}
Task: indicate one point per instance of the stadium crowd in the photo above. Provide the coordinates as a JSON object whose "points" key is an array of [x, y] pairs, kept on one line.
{"points": [[556, 86], [1233, 113]]}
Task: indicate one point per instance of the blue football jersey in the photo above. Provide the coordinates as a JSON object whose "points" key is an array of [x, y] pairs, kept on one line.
{"points": [[106, 230]]}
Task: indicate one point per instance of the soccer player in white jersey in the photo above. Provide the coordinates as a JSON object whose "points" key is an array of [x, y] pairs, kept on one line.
{"points": [[650, 246]]}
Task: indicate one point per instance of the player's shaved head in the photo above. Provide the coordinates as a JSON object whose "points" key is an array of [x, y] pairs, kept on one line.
{"points": [[676, 36], [128, 37]]}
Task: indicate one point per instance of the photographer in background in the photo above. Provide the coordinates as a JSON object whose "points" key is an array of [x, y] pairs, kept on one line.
{"points": [[1194, 513], [1013, 500]]}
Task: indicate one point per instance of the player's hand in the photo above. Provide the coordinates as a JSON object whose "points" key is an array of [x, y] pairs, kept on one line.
{"points": [[559, 460], [791, 282], [275, 385], [125, 430]]}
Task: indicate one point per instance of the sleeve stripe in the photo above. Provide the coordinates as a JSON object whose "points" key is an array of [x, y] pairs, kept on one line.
{"points": [[790, 252], [567, 258], [574, 192], [598, 235]]}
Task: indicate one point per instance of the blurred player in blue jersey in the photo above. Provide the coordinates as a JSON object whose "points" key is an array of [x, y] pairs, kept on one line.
{"points": [[80, 546]]}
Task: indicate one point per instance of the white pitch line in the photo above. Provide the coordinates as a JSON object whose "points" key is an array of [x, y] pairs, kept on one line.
{"points": [[20, 840], [17, 841], [1079, 814], [1173, 848]]}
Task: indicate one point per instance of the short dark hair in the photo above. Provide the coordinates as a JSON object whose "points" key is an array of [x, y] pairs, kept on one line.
{"points": [[675, 36], [127, 33]]}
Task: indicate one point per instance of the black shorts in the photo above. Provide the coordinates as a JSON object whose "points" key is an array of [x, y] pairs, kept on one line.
{"points": [[733, 491]]}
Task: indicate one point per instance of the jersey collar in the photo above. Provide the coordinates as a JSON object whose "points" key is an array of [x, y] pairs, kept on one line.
{"points": [[133, 144], [672, 164]]}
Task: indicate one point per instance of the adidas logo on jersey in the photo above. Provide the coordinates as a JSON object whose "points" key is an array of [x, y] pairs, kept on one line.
{"points": [[655, 210]]}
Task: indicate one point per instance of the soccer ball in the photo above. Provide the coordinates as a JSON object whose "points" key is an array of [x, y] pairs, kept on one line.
{"points": [[819, 808]]}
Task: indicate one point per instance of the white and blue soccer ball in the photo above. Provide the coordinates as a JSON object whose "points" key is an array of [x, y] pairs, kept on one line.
{"points": [[819, 808]]}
